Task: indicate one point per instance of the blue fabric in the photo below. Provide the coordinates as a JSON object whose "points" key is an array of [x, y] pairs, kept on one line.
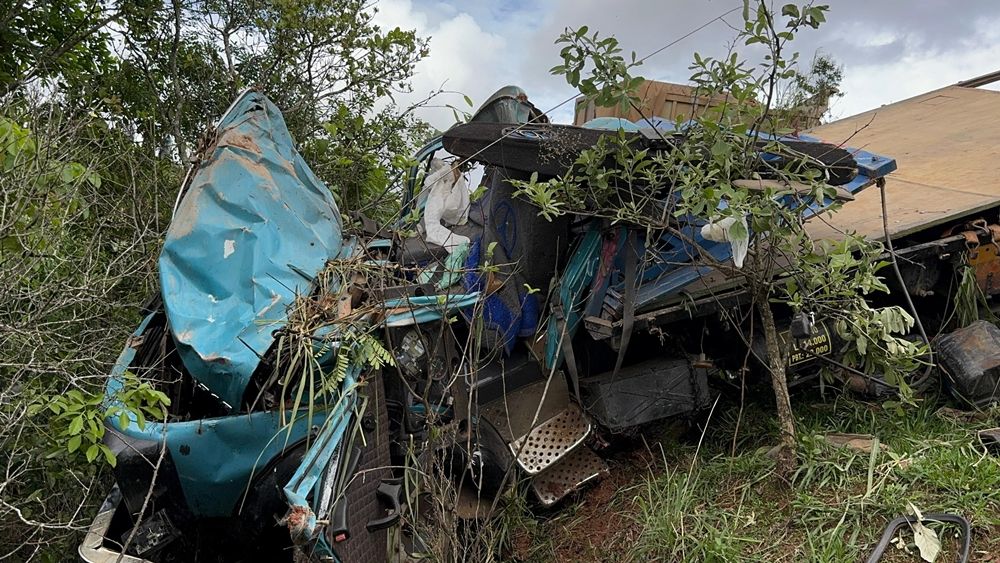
{"points": [[508, 323]]}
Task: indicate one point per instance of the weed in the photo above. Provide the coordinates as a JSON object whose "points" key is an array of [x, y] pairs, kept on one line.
{"points": [[708, 505]]}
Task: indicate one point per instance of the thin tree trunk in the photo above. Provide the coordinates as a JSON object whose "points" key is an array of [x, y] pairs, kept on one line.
{"points": [[178, 111], [776, 365], [227, 50]]}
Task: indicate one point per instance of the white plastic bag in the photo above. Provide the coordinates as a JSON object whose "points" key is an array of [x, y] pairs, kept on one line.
{"points": [[722, 231], [447, 204]]}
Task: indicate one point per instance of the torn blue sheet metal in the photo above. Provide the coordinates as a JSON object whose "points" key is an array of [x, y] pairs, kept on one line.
{"points": [[215, 458], [253, 227], [426, 308], [303, 525]]}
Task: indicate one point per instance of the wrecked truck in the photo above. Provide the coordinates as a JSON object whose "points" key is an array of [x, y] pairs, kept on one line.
{"points": [[308, 366]]}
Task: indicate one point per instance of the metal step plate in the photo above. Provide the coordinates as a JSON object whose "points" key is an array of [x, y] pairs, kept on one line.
{"points": [[548, 442], [569, 474]]}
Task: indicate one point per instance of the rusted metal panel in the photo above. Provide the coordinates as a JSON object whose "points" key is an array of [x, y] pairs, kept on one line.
{"points": [[984, 255]]}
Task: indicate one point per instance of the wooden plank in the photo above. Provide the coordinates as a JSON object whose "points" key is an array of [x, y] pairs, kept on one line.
{"points": [[911, 207], [947, 147], [662, 99]]}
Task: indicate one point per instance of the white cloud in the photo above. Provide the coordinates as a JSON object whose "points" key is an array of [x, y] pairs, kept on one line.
{"points": [[464, 58], [890, 49]]}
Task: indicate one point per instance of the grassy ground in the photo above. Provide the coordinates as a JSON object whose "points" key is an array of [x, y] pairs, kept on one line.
{"points": [[670, 499]]}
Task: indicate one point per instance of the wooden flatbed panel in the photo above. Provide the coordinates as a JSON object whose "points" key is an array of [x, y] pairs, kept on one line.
{"points": [[947, 147]]}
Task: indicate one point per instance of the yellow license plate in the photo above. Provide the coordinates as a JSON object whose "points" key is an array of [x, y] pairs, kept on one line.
{"points": [[819, 344]]}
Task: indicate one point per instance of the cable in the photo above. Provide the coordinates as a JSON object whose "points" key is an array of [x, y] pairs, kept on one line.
{"points": [[846, 367], [688, 34], [573, 97], [902, 284], [898, 523]]}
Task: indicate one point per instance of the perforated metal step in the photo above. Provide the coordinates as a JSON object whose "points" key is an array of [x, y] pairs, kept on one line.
{"points": [[550, 441], [567, 475]]}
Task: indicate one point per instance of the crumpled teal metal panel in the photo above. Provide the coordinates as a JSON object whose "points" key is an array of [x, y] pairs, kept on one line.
{"points": [[254, 224]]}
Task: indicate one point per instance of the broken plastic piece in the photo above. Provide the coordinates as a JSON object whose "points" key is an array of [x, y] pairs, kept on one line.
{"points": [[389, 491]]}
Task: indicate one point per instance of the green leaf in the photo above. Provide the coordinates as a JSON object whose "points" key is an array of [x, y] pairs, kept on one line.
{"points": [[76, 425], [738, 231], [721, 149], [74, 443], [790, 10], [71, 172], [92, 452], [109, 456]]}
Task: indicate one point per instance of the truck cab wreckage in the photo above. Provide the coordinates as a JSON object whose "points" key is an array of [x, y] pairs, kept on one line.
{"points": [[310, 369]]}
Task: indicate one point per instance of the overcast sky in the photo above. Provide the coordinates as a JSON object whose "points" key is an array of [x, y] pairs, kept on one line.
{"points": [[890, 49]]}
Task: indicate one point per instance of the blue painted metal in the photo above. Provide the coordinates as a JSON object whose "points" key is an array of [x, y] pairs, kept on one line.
{"points": [[572, 288], [613, 124], [427, 308], [254, 225], [678, 263], [306, 479], [660, 124], [251, 232], [215, 457], [671, 281]]}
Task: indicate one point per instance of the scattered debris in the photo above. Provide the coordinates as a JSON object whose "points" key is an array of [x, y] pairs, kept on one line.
{"points": [[990, 439], [925, 539], [322, 378], [864, 443], [970, 356]]}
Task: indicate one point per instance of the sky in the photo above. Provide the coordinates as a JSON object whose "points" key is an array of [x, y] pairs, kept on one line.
{"points": [[890, 49]]}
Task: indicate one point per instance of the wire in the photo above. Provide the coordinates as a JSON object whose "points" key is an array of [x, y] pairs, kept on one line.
{"points": [[573, 97], [899, 276], [688, 34], [890, 531]]}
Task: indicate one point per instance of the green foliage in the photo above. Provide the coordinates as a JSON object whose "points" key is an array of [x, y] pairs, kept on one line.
{"points": [[326, 64], [610, 81], [970, 303], [101, 106], [361, 350], [324, 340], [51, 39], [54, 186], [77, 417], [704, 174], [840, 499], [625, 191]]}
